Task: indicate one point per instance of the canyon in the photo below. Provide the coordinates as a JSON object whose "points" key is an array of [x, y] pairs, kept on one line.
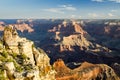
{"points": [[77, 49]]}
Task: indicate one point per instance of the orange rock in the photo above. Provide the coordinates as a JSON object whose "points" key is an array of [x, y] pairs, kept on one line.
{"points": [[86, 71]]}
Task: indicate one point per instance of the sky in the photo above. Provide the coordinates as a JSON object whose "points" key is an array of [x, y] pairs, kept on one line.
{"points": [[59, 9]]}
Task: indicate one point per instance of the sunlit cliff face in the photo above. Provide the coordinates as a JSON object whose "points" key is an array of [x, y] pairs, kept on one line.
{"points": [[20, 60], [86, 71]]}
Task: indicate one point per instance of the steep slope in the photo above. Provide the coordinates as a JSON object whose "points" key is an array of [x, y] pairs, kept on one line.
{"points": [[20, 26], [20, 60], [86, 71], [106, 32], [70, 35], [75, 43]]}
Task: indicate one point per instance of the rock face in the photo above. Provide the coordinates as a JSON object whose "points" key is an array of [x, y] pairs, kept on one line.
{"points": [[22, 60], [23, 27], [86, 71], [19, 25], [1, 25], [18, 45], [70, 35], [116, 67], [112, 29], [105, 32], [75, 40], [69, 41]]}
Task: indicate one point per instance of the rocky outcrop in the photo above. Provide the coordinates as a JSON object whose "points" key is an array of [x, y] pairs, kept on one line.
{"points": [[69, 35], [116, 67], [23, 27], [18, 45], [106, 32], [78, 28], [20, 25], [1, 25], [75, 40], [86, 71], [112, 31], [20, 60]]}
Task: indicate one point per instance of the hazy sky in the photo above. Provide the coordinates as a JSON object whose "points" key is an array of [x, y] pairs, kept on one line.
{"points": [[82, 9]]}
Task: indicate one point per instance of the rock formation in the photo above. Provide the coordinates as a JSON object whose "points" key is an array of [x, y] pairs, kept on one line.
{"points": [[106, 32], [20, 25], [1, 25], [20, 60], [69, 40], [70, 35], [86, 71], [23, 27]]}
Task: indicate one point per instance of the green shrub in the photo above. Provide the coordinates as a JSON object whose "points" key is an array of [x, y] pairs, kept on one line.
{"points": [[1, 71], [10, 60], [1, 45], [14, 55], [2, 77], [19, 69], [28, 67], [33, 45], [4, 53], [3, 59], [17, 66], [23, 56]]}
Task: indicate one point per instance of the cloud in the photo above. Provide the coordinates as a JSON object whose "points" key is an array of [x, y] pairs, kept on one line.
{"points": [[68, 7], [98, 0], [116, 1], [94, 15], [73, 16], [110, 15], [54, 10], [101, 15], [61, 9]]}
